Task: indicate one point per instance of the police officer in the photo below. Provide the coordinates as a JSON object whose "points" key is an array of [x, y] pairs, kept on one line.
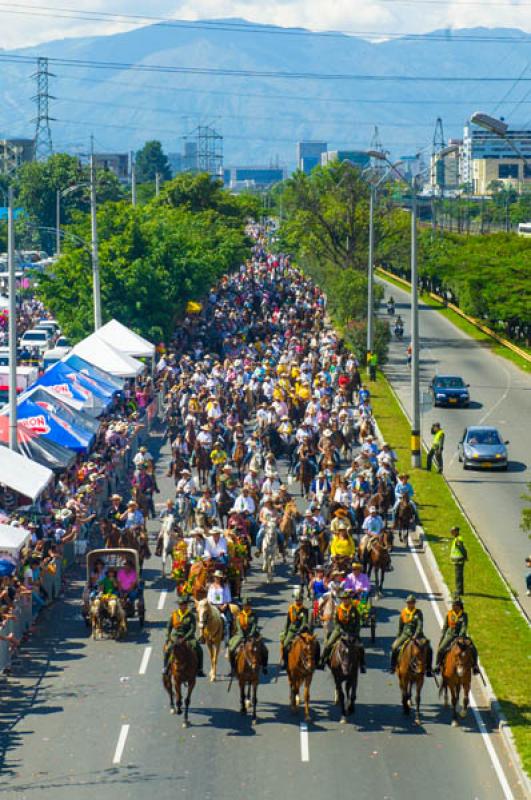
{"points": [[297, 621], [410, 626], [347, 621], [458, 557], [246, 628], [182, 625], [455, 626], [436, 449]]}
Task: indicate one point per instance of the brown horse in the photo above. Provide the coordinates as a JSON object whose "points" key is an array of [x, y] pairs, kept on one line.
{"points": [[182, 669], [302, 661], [345, 663], [201, 461], [111, 534], [366, 429], [225, 503], [376, 554], [404, 519], [142, 500], [249, 662], [305, 473], [238, 457], [198, 575], [305, 563], [457, 674], [383, 499], [288, 523], [411, 669]]}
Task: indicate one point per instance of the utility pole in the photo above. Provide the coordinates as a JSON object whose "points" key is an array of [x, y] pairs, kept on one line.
{"points": [[57, 222], [94, 241], [12, 288], [133, 180], [416, 457], [157, 184], [370, 272]]}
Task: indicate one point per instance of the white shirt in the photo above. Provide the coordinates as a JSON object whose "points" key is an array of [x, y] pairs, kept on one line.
{"points": [[218, 595], [213, 550], [243, 503]]}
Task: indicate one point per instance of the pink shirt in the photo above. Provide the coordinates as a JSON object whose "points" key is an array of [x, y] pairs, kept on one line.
{"points": [[126, 579]]}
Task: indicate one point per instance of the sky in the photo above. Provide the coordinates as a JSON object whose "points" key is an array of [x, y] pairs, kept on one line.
{"points": [[34, 21]]}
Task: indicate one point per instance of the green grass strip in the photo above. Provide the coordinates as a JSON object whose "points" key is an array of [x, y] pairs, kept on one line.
{"points": [[501, 634], [469, 328]]}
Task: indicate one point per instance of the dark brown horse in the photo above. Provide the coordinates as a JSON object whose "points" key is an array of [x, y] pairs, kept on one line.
{"points": [[383, 499], [201, 461], [305, 563], [411, 669], [238, 457], [111, 534], [182, 670], [305, 473], [345, 663], [302, 661], [404, 519], [225, 503], [377, 555], [457, 674], [249, 662]]}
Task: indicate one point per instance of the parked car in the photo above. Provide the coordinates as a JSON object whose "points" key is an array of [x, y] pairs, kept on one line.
{"points": [[482, 446], [449, 390], [49, 325], [63, 341], [35, 337]]}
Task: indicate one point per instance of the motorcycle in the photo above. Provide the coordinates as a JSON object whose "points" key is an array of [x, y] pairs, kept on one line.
{"points": [[399, 332], [391, 309]]}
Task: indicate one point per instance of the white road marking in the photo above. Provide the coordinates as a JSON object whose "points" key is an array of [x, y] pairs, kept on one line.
{"points": [[121, 744], [162, 600], [145, 661], [305, 746], [502, 398], [507, 793]]}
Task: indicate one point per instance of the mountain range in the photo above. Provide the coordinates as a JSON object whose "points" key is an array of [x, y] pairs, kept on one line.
{"points": [[334, 87]]}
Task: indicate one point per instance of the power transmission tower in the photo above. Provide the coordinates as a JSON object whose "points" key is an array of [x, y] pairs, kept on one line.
{"points": [[209, 150], [43, 134], [377, 165]]}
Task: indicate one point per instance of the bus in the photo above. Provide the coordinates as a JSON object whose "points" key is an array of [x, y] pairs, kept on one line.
{"points": [[524, 229]]}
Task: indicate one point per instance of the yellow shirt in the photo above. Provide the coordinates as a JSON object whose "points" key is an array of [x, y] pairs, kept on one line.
{"points": [[342, 547]]}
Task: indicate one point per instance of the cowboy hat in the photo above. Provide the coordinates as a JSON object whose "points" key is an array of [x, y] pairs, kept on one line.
{"points": [[219, 574]]}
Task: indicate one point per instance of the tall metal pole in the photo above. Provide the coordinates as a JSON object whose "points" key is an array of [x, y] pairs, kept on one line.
{"points": [[157, 184], [133, 180], [370, 273], [12, 288], [416, 458], [94, 247], [58, 222]]}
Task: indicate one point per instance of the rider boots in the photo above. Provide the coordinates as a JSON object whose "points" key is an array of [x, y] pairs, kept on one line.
{"points": [[363, 668], [394, 656], [429, 663]]}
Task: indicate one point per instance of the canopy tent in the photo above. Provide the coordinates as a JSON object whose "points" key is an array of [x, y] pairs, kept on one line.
{"points": [[103, 355], [68, 383], [43, 423], [94, 372], [12, 540], [41, 396], [45, 452], [125, 340], [23, 475]]}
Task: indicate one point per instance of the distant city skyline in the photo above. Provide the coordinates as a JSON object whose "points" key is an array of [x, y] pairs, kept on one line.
{"points": [[23, 25]]}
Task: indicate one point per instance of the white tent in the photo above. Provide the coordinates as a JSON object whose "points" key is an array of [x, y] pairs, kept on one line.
{"points": [[12, 540], [23, 475], [125, 340], [103, 355]]}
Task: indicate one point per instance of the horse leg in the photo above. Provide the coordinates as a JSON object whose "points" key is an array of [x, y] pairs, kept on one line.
{"points": [[168, 685], [405, 697], [466, 690], [454, 690], [341, 700], [243, 708], [293, 696], [254, 701], [186, 723], [307, 715]]}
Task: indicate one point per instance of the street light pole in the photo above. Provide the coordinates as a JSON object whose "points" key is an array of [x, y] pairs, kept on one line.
{"points": [[12, 289], [416, 453], [133, 180], [57, 222], [370, 273], [157, 184], [94, 247]]}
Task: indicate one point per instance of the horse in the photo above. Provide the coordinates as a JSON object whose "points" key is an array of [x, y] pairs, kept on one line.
{"points": [[166, 540], [404, 518], [288, 522], [111, 533], [248, 663], [302, 661], [366, 428], [142, 500], [376, 555], [107, 611], [327, 612], [348, 437], [411, 669], [183, 669], [345, 664], [269, 550], [224, 503], [201, 460], [210, 624], [306, 471], [456, 674], [306, 563], [238, 457], [383, 499], [198, 576]]}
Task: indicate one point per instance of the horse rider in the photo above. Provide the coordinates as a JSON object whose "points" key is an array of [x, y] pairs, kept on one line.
{"points": [[298, 620], [403, 488], [410, 626], [116, 511], [455, 627], [182, 625], [372, 527], [347, 622], [357, 581], [216, 546], [219, 595], [318, 587], [219, 458], [435, 453], [246, 628]]}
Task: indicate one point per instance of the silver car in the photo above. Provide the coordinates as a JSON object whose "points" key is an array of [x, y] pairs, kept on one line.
{"points": [[482, 446]]}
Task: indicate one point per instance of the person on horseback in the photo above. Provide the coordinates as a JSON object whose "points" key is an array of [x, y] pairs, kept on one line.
{"points": [[219, 458], [116, 511], [182, 625], [318, 587], [298, 620], [403, 488], [342, 545], [347, 622], [219, 595], [357, 581], [455, 626], [410, 626], [246, 628]]}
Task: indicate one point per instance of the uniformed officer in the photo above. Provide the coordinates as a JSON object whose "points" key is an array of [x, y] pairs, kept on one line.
{"points": [[455, 626], [458, 557], [182, 625], [436, 450], [246, 628], [346, 621], [410, 626], [297, 620]]}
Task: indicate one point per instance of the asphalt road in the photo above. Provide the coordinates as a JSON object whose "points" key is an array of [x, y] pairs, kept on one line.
{"points": [[500, 396], [74, 707]]}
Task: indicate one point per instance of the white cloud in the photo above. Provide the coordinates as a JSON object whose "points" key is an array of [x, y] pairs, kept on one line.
{"points": [[19, 30]]}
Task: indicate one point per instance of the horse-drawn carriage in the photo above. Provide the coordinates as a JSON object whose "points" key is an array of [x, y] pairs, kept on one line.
{"points": [[109, 611]]}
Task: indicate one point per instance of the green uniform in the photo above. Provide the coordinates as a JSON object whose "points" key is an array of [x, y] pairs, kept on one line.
{"points": [[182, 625], [410, 626], [458, 556], [436, 451], [297, 621], [246, 628], [455, 626], [347, 621]]}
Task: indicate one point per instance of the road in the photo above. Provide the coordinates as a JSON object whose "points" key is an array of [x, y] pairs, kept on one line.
{"points": [[75, 706], [500, 396]]}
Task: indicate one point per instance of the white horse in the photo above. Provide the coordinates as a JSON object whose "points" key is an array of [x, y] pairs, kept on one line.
{"points": [[168, 536], [269, 550]]}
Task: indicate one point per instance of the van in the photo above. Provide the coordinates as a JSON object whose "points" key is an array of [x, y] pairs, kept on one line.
{"points": [[49, 325]]}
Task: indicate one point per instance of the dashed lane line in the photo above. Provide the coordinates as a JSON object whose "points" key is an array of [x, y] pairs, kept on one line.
{"points": [[145, 661], [305, 745], [162, 600], [122, 738]]}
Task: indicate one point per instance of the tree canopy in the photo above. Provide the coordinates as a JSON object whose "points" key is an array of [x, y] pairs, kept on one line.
{"points": [[151, 160]]}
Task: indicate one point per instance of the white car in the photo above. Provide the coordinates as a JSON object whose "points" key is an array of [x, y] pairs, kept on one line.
{"points": [[36, 338]]}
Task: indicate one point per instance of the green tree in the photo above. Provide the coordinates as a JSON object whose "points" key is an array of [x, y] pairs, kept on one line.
{"points": [[151, 160]]}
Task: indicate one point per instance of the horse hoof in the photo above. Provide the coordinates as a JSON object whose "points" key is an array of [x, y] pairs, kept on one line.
{"points": [[417, 721], [343, 721], [253, 722], [186, 724], [455, 723], [172, 711], [463, 713]]}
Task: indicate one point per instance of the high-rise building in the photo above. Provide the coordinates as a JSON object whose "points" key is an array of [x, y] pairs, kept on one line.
{"points": [[309, 155], [488, 159], [357, 157], [14, 152], [445, 172], [117, 163], [253, 177]]}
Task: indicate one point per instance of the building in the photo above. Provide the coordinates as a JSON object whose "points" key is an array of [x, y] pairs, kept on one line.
{"points": [[309, 155], [357, 157], [118, 163], [445, 171], [14, 152], [488, 159], [253, 177]]}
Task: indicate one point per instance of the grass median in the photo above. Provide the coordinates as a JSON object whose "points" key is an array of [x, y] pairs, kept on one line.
{"points": [[467, 327], [501, 634]]}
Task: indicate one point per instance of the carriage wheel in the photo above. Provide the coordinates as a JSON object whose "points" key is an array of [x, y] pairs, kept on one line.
{"points": [[373, 629]]}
